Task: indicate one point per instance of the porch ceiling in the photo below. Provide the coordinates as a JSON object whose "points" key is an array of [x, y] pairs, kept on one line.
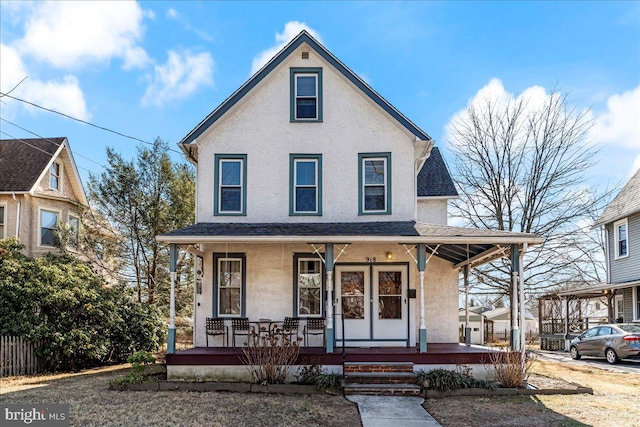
{"points": [[458, 245]]}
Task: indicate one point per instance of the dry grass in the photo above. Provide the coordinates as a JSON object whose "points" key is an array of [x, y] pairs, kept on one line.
{"points": [[615, 402], [93, 405]]}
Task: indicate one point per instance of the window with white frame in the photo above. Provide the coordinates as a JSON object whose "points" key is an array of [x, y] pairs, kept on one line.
{"points": [[48, 228], [2, 222], [229, 284], [54, 176], [306, 94], [621, 232], [305, 184], [231, 175], [618, 308], [74, 231], [308, 284], [374, 183]]}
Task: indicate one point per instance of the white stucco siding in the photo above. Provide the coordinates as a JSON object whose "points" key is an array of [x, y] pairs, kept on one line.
{"points": [[259, 126], [432, 211], [269, 286]]}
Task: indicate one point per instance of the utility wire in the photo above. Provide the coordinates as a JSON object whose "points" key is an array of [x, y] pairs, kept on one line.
{"points": [[82, 121]]}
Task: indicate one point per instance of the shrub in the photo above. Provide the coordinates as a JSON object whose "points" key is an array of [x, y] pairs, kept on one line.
{"points": [[64, 305], [447, 380], [140, 361], [269, 356], [325, 380], [509, 369], [308, 374]]}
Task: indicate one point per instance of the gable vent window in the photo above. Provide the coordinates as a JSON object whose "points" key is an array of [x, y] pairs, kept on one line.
{"points": [[306, 94], [305, 55], [54, 176]]}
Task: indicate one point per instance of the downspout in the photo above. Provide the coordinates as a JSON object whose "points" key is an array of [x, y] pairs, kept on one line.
{"points": [[606, 253], [17, 216]]}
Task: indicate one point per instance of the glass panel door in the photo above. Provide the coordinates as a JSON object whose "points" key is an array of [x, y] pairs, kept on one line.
{"points": [[353, 301], [390, 306]]}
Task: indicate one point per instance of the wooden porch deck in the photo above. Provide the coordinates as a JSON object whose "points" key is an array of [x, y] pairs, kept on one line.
{"points": [[437, 353]]}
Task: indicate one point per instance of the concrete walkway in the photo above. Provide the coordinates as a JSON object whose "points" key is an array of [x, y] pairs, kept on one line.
{"points": [[385, 411]]}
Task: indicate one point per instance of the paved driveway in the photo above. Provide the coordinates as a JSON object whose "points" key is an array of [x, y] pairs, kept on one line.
{"points": [[627, 366]]}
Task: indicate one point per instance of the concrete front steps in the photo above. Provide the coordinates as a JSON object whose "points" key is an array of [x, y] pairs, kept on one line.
{"points": [[380, 379]]}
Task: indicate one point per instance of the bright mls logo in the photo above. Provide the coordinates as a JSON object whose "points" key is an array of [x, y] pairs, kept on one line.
{"points": [[53, 415]]}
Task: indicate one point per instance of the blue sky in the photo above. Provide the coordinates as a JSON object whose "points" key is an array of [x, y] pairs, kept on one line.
{"points": [[151, 69]]}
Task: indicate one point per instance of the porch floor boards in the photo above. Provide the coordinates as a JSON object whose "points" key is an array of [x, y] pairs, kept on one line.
{"points": [[437, 353]]}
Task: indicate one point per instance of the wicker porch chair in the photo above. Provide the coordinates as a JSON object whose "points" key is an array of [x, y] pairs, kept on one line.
{"points": [[215, 327], [241, 327], [314, 326]]}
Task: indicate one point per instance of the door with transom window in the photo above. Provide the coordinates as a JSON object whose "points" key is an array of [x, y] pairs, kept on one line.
{"points": [[373, 301]]}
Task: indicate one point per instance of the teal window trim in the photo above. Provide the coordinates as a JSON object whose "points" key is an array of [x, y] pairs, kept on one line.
{"points": [[297, 257], [362, 157], [292, 183], [292, 93], [219, 158], [217, 257]]}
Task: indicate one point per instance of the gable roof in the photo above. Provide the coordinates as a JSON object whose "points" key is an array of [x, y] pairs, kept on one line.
{"points": [[627, 202], [22, 161], [434, 179], [303, 37]]}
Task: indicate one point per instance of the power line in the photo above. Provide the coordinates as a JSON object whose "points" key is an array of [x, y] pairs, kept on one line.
{"points": [[83, 121]]}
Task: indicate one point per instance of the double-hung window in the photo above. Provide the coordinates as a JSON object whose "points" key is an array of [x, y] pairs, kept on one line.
{"points": [[54, 176], [230, 184], [306, 94], [374, 183], [305, 177], [620, 229], [48, 228], [74, 231], [229, 273], [2, 221], [308, 285]]}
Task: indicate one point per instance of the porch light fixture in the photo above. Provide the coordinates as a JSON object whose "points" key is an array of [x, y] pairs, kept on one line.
{"points": [[389, 255]]}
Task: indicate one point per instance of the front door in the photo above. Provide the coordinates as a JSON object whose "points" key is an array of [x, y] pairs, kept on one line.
{"points": [[373, 301]]}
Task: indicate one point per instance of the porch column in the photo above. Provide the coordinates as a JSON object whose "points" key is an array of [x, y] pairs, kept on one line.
{"points": [[422, 263], [171, 339], [566, 324], [515, 334], [467, 328], [328, 256]]}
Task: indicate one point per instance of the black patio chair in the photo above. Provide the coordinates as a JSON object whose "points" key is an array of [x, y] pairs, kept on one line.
{"points": [[215, 327], [314, 326], [241, 327], [289, 327]]}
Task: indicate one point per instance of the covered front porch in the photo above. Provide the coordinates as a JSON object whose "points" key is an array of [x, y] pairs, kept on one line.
{"points": [[386, 290]]}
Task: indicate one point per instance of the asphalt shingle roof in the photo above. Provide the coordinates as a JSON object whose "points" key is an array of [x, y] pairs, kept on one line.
{"points": [[627, 202], [434, 179], [23, 160]]}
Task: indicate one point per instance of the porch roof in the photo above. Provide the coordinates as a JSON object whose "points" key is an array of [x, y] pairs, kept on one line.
{"points": [[595, 290], [457, 244]]}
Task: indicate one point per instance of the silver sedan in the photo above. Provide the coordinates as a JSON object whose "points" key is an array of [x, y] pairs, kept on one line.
{"points": [[613, 342]]}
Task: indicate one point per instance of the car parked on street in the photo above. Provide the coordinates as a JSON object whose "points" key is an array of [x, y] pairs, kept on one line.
{"points": [[613, 342]]}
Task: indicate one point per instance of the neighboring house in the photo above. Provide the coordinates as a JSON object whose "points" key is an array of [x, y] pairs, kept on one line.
{"points": [[316, 198], [621, 223], [480, 328], [40, 189], [488, 325], [501, 318]]}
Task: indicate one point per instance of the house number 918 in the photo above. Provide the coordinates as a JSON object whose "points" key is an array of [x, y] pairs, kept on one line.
{"points": [[370, 259]]}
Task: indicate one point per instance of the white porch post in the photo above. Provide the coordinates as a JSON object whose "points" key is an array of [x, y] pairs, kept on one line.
{"points": [[515, 335], [171, 339], [329, 308], [467, 328], [521, 300], [422, 263]]}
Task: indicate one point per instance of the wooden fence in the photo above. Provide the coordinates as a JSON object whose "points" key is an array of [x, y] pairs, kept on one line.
{"points": [[17, 357]]}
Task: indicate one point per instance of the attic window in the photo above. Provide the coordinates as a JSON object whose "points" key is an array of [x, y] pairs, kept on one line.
{"points": [[54, 176], [306, 95], [305, 55]]}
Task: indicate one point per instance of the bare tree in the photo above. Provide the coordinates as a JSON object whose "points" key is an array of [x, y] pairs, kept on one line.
{"points": [[521, 167]]}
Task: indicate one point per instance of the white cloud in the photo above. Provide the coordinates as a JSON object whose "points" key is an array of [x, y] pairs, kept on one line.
{"points": [[291, 29], [64, 96], [172, 13], [74, 34], [180, 76], [620, 123]]}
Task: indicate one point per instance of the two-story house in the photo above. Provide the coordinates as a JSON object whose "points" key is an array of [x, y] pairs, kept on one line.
{"points": [[40, 188], [317, 199], [621, 224]]}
